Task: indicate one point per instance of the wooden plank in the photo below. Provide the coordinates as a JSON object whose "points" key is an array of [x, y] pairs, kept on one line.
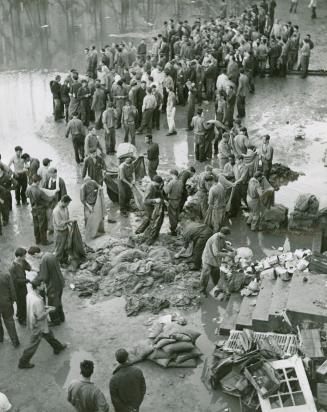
{"points": [[244, 318], [231, 313], [307, 298], [278, 302], [322, 394], [311, 343], [260, 314]]}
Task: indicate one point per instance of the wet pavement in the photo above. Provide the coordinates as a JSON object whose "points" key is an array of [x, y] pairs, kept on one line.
{"points": [[95, 330]]}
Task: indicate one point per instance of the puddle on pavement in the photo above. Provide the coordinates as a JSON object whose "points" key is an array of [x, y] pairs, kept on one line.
{"points": [[71, 368]]}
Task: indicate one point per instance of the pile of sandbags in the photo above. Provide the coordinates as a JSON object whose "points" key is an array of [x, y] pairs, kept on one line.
{"points": [[305, 214], [174, 346], [274, 218]]}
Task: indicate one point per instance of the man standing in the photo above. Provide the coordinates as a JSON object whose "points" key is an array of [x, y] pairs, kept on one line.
{"points": [[17, 271], [199, 129], [92, 142], [38, 325], [39, 202], [242, 91], [84, 395], [44, 170], [215, 249], [127, 386], [267, 154], [313, 7], [125, 181], [253, 200], [55, 88], [94, 167], [76, 129], [7, 298], [50, 274], [109, 118], [129, 117], [88, 196], [60, 225], [83, 96], [216, 207], [224, 150], [157, 110], [183, 177], [171, 111], [148, 106], [98, 104], [152, 155], [6, 185], [20, 175], [119, 94], [174, 192], [140, 93], [305, 57]]}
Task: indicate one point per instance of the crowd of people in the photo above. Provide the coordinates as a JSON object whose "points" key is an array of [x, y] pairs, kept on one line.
{"points": [[129, 87]]}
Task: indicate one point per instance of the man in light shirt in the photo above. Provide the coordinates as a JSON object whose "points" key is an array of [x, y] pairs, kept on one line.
{"points": [[60, 224], [37, 314], [20, 174], [149, 104]]}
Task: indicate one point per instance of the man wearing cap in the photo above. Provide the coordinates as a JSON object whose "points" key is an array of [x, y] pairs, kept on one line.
{"points": [[84, 395], [215, 250], [109, 118], [129, 117], [37, 314], [76, 129], [44, 170], [17, 272], [39, 202], [61, 221], [7, 299], [127, 385], [20, 174]]}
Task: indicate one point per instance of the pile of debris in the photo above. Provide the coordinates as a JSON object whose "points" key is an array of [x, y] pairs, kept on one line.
{"points": [[306, 212], [149, 277], [169, 345], [281, 175], [268, 372]]}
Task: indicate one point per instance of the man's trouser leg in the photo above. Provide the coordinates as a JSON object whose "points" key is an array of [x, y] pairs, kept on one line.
{"points": [[21, 305], [110, 141], [202, 149], [205, 274], [126, 132], [173, 214], [152, 168], [7, 315], [43, 224], [124, 196], [98, 117], [49, 219], [18, 188], [132, 133], [54, 299], [23, 182], [145, 223], [61, 245], [30, 349], [76, 144]]}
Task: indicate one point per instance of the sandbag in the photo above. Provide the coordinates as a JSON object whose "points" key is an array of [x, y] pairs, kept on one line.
{"points": [[178, 347], [140, 351], [194, 354], [161, 362], [189, 363], [164, 342], [159, 354], [307, 203], [181, 337]]}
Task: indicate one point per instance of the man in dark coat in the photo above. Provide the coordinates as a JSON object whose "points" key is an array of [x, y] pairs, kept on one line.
{"points": [[153, 156], [50, 274], [83, 96], [98, 104], [18, 274], [127, 385], [7, 298], [94, 166], [7, 183]]}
